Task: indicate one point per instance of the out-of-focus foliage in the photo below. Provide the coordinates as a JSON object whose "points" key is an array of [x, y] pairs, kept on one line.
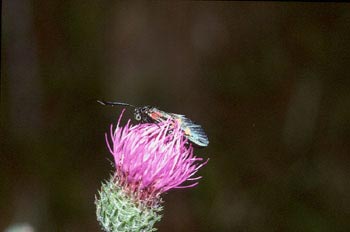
{"points": [[269, 82]]}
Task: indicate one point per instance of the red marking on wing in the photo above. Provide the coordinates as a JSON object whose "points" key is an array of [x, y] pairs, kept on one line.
{"points": [[155, 115]]}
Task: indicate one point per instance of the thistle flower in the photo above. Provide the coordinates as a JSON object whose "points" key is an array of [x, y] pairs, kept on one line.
{"points": [[150, 159]]}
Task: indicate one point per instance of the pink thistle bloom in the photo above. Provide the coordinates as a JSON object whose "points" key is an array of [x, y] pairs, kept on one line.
{"points": [[152, 158]]}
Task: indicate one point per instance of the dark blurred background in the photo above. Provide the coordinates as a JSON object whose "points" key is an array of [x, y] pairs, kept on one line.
{"points": [[269, 82]]}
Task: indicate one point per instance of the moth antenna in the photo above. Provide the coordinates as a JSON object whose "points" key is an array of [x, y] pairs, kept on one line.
{"points": [[108, 103]]}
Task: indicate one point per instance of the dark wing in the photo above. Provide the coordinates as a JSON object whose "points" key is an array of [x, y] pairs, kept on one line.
{"points": [[193, 131], [157, 115]]}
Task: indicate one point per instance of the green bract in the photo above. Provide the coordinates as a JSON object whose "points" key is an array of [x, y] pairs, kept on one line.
{"points": [[117, 210]]}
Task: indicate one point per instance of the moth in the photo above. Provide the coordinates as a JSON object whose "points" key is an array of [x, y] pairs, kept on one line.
{"points": [[149, 114]]}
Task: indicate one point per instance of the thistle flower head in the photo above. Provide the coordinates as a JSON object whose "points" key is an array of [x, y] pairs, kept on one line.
{"points": [[149, 160], [152, 158]]}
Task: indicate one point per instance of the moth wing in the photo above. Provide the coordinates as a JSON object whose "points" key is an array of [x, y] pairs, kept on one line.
{"points": [[193, 131], [156, 115]]}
